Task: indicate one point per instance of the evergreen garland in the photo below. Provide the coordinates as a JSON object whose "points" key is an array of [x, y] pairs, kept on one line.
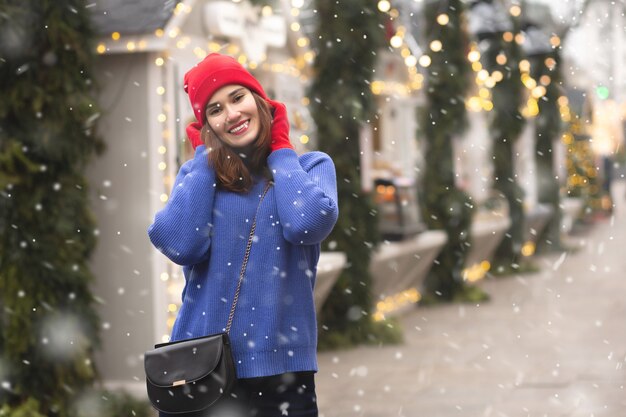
{"points": [[548, 126], [349, 33], [47, 232], [506, 124], [444, 206]]}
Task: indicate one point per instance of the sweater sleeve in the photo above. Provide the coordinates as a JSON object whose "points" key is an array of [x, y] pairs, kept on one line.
{"points": [[306, 195], [182, 229]]}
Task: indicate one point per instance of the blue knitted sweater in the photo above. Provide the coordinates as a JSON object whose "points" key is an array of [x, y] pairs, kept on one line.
{"points": [[205, 229]]}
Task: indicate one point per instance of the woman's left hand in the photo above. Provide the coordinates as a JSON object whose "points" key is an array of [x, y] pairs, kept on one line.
{"points": [[280, 127]]}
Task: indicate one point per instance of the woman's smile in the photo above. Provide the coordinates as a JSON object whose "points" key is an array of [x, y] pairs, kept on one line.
{"points": [[240, 128]]}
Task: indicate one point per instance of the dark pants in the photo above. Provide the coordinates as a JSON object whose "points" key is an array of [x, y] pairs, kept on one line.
{"points": [[291, 394]]}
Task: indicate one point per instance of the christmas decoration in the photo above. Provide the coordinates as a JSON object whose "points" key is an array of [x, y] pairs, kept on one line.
{"points": [[501, 56], [583, 180], [47, 232], [546, 73], [348, 36], [444, 116]]}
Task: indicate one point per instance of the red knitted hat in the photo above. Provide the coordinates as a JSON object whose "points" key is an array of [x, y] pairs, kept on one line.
{"points": [[212, 73]]}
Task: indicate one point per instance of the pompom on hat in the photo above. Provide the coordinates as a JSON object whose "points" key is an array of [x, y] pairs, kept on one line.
{"points": [[212, 73]]}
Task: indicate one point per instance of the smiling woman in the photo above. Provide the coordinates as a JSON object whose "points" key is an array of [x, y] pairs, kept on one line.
{"points": [[246, 180]]}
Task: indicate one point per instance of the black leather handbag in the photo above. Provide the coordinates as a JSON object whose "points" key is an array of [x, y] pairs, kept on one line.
{"points": [[191, 375]]}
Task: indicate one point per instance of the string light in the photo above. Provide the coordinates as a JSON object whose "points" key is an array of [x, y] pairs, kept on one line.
{"points": [[476, 272], [173, 32], [528, 249], [482, 75], [384, 6], [473, 56], [524, 65], [531, 109], [474, 104], [396, 41], [436, 46], [396, 302], [538, 91], [555, 41], [392, 88], [528, 81], [410, 61], [443, 19], [180, 7]]}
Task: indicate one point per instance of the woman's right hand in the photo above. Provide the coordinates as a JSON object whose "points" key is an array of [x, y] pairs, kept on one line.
{"points": [[193, 133]]}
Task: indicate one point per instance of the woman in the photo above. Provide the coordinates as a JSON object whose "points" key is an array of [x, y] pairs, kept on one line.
{"points": [[241, 141]]}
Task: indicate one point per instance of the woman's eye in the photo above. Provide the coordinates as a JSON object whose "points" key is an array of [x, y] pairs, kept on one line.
{"points": [[214, 111], [238, 97]]}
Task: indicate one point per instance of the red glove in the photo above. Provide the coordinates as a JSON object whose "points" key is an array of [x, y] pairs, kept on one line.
{"points": [[280, 127], [193, 133]]}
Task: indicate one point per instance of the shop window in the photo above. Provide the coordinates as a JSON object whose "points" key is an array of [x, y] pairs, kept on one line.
{"points": [[398, 214]]}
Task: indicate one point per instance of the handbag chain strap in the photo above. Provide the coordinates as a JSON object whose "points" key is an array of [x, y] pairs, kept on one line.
{"points": [[245, 260]]}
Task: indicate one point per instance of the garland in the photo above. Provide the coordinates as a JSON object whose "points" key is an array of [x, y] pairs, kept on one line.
{"points": [[348, 34], [548, 127], [47, 232], [444, 206], [506, 124]]}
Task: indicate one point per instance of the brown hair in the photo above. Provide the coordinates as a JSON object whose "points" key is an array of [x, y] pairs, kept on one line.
{"points": [[231, 171]]}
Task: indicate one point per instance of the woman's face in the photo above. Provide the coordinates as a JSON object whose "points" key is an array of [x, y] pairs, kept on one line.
{"points": [[233, 116]]}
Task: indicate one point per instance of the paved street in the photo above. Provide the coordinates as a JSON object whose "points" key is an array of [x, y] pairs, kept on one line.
{"points": [[547, 344]]}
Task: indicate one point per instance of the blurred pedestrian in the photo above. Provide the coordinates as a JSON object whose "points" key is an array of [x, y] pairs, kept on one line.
{"points": [[242, 149]]}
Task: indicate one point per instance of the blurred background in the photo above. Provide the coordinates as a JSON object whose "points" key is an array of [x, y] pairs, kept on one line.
{"points": [[477, 144]]}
